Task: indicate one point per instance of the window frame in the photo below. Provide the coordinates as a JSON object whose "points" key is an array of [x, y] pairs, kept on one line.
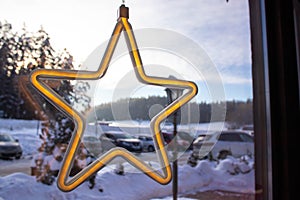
{"points": [[275, 74], [261, 101]]}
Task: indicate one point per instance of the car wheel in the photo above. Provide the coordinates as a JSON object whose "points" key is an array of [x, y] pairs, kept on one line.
{"points": [[223, 154], [18, 157], [150, 148]]}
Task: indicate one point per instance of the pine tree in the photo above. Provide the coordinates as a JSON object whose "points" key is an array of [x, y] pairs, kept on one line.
{"points": [[9, 101], [20, 53]]}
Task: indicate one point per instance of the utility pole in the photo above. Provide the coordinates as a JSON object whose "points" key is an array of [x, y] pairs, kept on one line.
{"points": [[172, 95]]}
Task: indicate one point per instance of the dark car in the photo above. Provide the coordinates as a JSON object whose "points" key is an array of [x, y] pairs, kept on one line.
{"points": [[9, 147], [113, 139]]}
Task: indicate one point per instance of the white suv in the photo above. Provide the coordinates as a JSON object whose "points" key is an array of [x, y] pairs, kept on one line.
{"points": [[218, 145]]}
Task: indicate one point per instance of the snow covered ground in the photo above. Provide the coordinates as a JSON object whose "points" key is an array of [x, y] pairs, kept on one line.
{"points": [[235, 175]]}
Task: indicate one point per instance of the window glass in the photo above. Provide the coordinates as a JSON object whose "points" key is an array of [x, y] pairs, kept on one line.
{"points": [[230, 137], [203, 42], [6, 138], [246, 138], [109, 136]]}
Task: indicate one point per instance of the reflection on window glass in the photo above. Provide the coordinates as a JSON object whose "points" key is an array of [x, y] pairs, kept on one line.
{"points": [[206, 42]]}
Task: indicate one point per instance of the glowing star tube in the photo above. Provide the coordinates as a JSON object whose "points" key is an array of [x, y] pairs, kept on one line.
{"points": [[66, 183]]}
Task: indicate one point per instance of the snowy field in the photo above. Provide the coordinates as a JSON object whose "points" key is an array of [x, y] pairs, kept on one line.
{"points": [[235, 175]]}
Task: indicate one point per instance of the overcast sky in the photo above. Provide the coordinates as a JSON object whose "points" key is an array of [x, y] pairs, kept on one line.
{"points": [[220, 28]]}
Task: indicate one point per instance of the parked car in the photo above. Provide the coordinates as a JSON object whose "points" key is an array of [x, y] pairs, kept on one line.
{"points": [[249, 129], [10, 147], [147, 142], [218, 145], [93, 144], [113, 139], [184, 140]]}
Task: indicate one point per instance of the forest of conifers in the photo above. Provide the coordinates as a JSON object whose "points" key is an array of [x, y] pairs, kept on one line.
{"points": [[237, 112]]}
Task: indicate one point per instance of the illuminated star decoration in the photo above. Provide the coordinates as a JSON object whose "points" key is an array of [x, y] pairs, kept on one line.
{"points": [[66, 183]]}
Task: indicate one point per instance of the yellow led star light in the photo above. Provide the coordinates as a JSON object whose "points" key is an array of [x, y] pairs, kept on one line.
{"points": [[66, 183]]}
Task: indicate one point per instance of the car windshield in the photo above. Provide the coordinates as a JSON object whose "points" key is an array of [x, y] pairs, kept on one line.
{"points": [[122, 136], [246, 138], [90, 138], [6, 138], [145, 138]]}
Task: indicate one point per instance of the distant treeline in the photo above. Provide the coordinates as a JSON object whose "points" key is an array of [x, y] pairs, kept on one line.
{"points": [[236, 112]]}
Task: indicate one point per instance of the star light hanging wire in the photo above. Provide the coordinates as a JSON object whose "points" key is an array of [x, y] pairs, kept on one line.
{"points": [[66, 183]]}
